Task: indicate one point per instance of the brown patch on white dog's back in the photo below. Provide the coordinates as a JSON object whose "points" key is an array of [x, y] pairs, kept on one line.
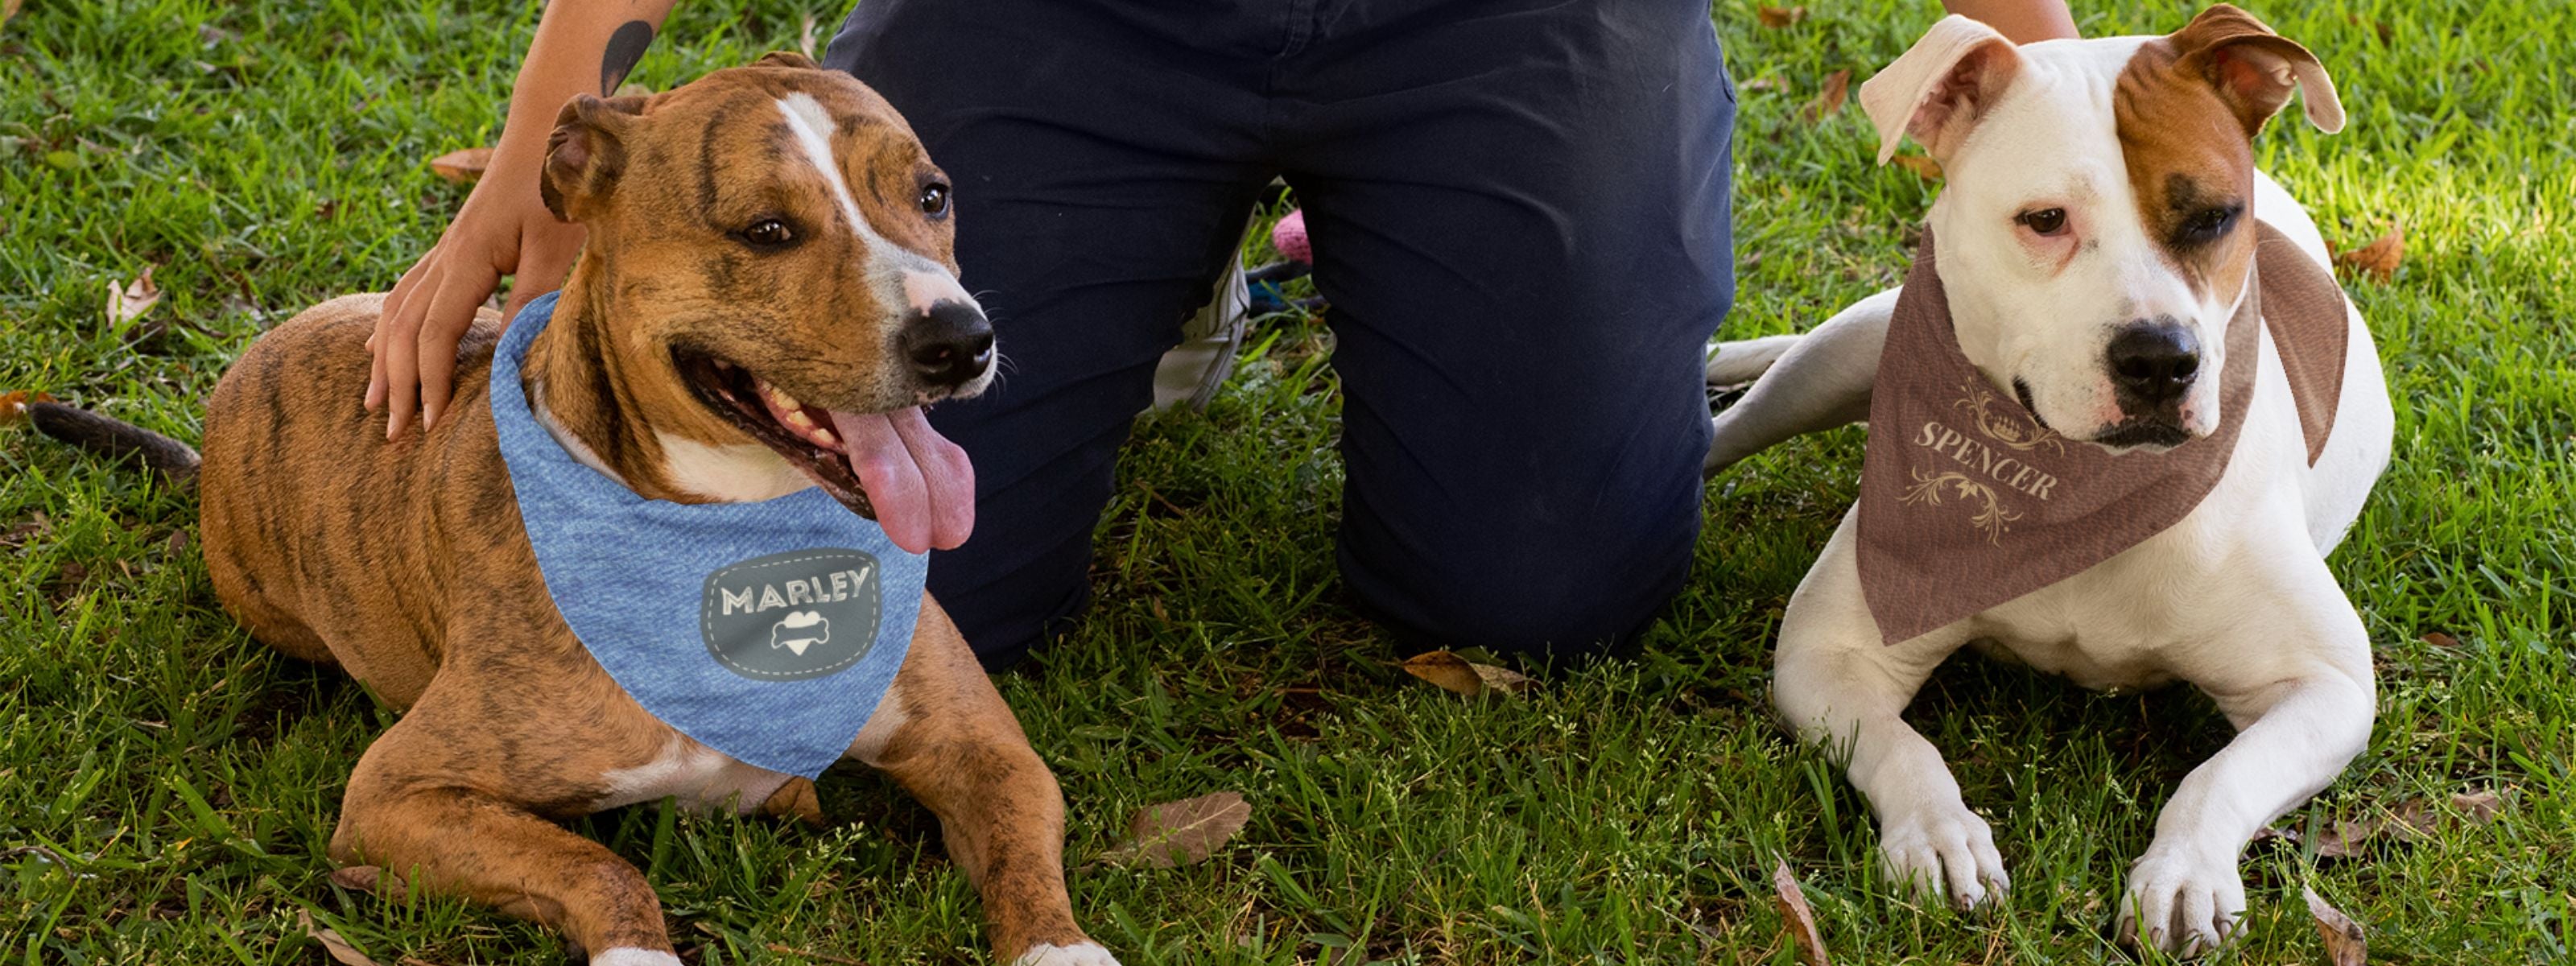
{"points": [[2187, 154]]}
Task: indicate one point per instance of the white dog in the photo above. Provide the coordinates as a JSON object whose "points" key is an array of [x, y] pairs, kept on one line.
{"points": [[2100, 196]]}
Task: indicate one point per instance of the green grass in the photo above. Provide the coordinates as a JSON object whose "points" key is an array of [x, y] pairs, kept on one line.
{"points": [[167, 784]]}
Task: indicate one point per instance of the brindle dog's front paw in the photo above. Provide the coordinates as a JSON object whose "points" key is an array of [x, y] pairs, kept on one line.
{"points": [[1078, 954], [2182, 904], [1945, 852]]}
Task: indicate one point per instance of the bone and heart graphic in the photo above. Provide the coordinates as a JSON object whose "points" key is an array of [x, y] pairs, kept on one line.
{"points": [[800, 630]]}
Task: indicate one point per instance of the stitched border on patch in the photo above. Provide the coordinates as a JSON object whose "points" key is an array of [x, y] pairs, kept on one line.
{"points": [[706, 624]]}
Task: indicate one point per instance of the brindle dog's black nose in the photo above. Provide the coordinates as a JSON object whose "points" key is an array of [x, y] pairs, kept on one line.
{"points": [[2152, 363], [950, 345]]}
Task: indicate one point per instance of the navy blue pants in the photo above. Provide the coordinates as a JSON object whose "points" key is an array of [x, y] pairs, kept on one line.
{"points": [[1520, 216]]}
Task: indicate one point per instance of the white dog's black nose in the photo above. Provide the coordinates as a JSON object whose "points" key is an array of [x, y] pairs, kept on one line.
{"points": [[2152, 363], [949, 345]]}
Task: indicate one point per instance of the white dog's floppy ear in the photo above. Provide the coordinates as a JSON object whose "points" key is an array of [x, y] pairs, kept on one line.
{"points": [[2255, 69], [1942, 85]]}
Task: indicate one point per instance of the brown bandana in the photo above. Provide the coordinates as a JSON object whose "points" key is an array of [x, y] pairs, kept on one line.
{"points": [[1967, 501]]}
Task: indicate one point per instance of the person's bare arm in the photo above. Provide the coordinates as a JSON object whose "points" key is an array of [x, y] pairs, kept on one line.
{"points": [[581, 47], [2021, 21]]}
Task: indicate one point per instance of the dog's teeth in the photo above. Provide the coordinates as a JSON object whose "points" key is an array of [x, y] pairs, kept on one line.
{"points": [[823, 437], [779, 398], [798, 419]]}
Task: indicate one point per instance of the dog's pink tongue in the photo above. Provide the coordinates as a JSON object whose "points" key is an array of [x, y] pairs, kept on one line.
{"points": [[920, 483]]}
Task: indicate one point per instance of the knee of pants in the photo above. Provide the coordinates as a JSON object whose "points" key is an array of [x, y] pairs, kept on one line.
{"points": [[1566, 594]]}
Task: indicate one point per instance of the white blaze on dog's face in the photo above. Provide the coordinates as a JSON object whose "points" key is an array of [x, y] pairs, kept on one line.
{"points": [[2096, 230]]}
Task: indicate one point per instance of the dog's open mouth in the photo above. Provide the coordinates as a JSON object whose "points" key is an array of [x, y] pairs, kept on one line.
{"points": [[800, 434], [891, 467]]}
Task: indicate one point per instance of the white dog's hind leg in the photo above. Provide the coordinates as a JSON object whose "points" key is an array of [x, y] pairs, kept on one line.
{"points": [[2298, 724], [1812, 382], [1844, 690], [1737, 363]]}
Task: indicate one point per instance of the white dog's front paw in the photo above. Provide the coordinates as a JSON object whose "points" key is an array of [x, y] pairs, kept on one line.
{"points": [[1078, 954], [1945, 852], [2182, 904]]}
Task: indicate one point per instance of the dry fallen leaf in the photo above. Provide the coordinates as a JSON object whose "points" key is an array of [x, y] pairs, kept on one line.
{"points": [[2344, 943], [1778, 17], [1455, 673], [8, 9], [2412, 820], [1829, 100], [126, 303], [22, 532], [1185, 832], [1798, 916], [2380, 258], [2439, 639], [2480, 807], [462, 167], [2343, 839], [340, 950], [1923, 167]]}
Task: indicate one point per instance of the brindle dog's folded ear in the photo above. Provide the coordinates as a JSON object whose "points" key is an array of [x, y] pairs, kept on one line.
{"points": [[786, 58], [2255, 69], [586, 153]]}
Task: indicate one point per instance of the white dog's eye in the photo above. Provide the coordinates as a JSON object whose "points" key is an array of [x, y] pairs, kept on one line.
{"points": [[2207, 224], [2044, 222]]}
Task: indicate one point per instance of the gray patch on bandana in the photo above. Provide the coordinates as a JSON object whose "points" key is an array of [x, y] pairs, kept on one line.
{"points": [[790, 616]]}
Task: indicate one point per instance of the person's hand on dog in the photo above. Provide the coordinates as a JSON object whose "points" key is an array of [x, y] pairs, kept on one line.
{"points": [[504, 229]]}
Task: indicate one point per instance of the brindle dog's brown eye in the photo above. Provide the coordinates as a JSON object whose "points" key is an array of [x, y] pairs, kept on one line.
{"points": [[2046, 221], [767, 233], [934, 199]]}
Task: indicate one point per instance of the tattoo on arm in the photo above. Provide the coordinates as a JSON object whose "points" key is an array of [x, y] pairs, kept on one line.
{"points": [[625, 48]]}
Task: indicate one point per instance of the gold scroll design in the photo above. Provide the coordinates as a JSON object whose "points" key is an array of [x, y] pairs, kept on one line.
{"points": [[2011, 431], [1991, 521]]}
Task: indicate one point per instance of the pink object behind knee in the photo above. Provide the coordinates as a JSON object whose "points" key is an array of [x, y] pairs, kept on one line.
{"points": [[1289, 236]]}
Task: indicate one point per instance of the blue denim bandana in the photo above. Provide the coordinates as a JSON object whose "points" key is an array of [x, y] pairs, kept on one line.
{"points": [[767, 631]]}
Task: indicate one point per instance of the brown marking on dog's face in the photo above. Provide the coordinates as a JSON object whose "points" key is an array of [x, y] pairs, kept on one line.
{"points": [[2187, 108], [771, 221], [2192, 168]]}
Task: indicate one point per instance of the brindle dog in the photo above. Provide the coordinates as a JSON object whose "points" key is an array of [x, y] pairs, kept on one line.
{"points": [[768, 234]]}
